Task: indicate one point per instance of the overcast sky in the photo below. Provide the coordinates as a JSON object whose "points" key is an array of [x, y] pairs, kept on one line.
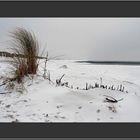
{"points": [[81, 38]]}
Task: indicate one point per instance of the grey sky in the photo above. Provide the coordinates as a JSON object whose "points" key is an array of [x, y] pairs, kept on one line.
{"points": [[81, 38]]}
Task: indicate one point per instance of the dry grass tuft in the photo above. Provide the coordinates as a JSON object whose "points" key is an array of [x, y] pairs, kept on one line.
{"points": [[24, 43]]}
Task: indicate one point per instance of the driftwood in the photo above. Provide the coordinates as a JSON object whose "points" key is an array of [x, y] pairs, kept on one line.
{"points": [[7, 54], [111, 99]]}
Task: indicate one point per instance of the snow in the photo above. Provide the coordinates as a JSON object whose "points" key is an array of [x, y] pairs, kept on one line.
{"points": [[43, 101]]}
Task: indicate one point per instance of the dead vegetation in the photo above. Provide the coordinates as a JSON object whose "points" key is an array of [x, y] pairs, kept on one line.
{"points": [[24, 59], [111, 99], [24, 42], [88, 86]]}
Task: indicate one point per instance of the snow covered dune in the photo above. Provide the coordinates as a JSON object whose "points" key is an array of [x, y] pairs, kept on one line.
{"points": [[43, 101]]}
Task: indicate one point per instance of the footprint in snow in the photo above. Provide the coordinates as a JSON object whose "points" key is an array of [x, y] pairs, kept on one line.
{"points": [[58, 112], [56, 116], [8, 111], [80, 107], [64, 66], [98, 111], [8, 106], [10, 116], [63, 117], [15, 121], [46, 115], [47, 121], [27, 105], [14, 111], [83, 73], [98, 119], [59, 106]]}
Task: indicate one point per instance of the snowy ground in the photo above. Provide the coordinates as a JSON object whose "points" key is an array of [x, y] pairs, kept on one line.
{"points": [[44, 102]]}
